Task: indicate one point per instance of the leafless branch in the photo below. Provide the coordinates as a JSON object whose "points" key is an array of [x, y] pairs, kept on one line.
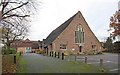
{"points": [[15, 15], [14, 19], [15, 8]]}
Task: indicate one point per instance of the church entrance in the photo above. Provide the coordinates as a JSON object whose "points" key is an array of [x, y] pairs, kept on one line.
{"points": [[80, 48]]}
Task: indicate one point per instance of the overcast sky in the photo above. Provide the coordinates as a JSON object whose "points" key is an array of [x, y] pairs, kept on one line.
{"points": [[53, 13]]}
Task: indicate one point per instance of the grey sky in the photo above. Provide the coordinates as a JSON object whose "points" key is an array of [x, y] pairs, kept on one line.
{"points": [[53, 13]]}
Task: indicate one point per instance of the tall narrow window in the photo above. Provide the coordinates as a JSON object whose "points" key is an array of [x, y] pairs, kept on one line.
{"points": [[79, 35]]}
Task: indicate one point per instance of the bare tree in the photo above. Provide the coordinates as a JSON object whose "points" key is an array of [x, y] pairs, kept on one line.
{"points": [[14, 19], [0, 34]]}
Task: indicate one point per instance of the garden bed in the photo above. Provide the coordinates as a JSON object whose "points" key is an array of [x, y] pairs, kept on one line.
{"points": [[8, 65]]}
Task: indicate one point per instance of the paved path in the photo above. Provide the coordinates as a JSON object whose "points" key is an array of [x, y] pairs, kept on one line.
{"points": [[35, 63], [110, 61]]}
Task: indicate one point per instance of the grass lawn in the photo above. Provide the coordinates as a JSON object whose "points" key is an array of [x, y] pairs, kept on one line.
{"points": [[45, 64], [110, 53]]}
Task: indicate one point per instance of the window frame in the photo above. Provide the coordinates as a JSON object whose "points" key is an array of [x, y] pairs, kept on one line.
{"points": [[63, 46], [79, 35]]}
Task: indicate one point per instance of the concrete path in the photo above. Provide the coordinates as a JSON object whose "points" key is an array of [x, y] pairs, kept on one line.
{"points": [[35, 63]]}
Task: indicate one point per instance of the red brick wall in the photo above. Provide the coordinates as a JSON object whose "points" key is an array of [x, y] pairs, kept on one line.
{"points": [[68, 36]]}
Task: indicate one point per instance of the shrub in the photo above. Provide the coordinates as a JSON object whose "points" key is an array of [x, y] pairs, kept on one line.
{"points": [[40, 52], [85, 52], [4, 50], [66, 53], [99, 52], [11, 51], [90, 52], [17, 56]]}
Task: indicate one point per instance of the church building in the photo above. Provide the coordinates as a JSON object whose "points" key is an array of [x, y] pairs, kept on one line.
{"points": [[74, 35]]}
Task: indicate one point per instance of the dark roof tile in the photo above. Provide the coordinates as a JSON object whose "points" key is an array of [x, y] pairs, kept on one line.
{"points": [[53, 35]]}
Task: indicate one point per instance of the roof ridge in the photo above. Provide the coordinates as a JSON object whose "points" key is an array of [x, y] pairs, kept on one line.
{"points": [[56, 32]]}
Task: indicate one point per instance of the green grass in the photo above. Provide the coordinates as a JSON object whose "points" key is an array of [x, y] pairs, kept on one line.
{"points": [[73, 67], [21, 66], [17, 55], [110, 53]]}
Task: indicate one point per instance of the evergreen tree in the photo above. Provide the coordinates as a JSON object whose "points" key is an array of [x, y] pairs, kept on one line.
{"points": [[108, 44]]}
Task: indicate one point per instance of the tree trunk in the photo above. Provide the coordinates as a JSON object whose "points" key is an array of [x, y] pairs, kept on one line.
{"points": [[8, 47], [0, 15]]}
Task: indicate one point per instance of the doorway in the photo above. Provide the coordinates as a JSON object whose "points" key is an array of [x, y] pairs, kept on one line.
{"points": [[80, 48]]}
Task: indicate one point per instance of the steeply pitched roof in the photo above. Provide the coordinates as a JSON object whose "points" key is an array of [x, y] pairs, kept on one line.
{"points": [[55, 33]]}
